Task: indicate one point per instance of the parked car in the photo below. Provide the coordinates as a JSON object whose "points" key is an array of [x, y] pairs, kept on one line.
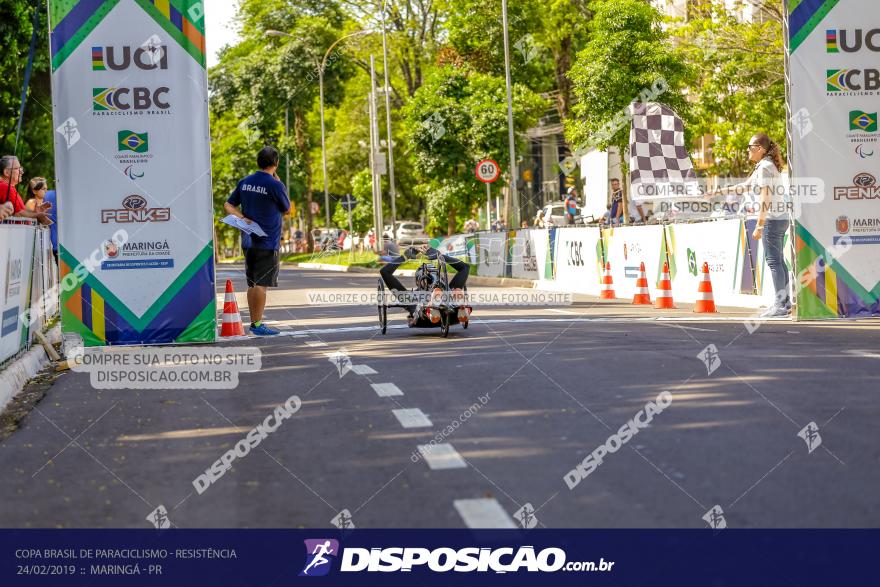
{"points": [[557, 214], [410, 233]]}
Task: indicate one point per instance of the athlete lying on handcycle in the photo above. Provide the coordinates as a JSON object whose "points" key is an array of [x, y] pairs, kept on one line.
{"points": [[430, 279]]}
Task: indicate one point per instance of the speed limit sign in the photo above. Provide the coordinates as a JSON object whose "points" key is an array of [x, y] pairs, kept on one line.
{"points": [[488, 171]]}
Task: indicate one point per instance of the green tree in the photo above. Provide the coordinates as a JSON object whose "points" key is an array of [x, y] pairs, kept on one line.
{"points": [[627, 54], [454, 120], [35, 148], [740, 86], [544, 38], [261, 78]]}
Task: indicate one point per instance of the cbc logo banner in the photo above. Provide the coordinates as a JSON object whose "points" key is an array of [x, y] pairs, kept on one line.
{"points": [[852, 82], [130, 101]]}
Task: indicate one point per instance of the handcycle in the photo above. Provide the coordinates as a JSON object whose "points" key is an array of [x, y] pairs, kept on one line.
{"points": [[432, 302]]}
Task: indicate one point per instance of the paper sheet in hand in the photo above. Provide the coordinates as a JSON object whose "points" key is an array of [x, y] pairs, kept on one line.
{"points": [[252, 228]]}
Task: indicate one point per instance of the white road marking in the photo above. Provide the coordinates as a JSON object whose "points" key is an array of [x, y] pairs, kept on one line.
{"points": [[315, 343], [558, 311], [441, 456], [484, 512], [412, 418], [476, 321], [862, 354], [386, 389], [363, 370], [686, 327]]}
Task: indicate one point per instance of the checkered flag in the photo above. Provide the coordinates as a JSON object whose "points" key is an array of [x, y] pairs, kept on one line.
{"points": [[657, 151]]}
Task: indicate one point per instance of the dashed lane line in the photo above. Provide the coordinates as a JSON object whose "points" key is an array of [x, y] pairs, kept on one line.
{"points": [[412, 418], [484, 512], [386, 389], [441, 456]]}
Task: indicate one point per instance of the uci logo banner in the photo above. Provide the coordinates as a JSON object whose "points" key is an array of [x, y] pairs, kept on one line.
{"points": [[129, 97]]}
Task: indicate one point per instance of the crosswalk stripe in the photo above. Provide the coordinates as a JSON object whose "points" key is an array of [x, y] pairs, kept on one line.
{"points": [[412, 418], [441, 456], [484, 512]]}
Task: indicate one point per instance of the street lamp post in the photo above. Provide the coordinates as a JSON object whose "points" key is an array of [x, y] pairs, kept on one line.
{"points": [[374, 155], [391, 187], [514, 196]]}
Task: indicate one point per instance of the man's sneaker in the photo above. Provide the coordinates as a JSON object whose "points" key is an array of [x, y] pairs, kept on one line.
{"points": [[776, 312], [263, 330], [781, 312]]}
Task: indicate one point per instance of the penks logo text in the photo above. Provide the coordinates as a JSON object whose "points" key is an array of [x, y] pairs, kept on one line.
{"points": [[864, 188], [146, 57], [130, 101], [134, 209]]}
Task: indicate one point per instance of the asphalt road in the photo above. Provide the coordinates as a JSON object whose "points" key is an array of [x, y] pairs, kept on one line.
{"points": [[556, 383]]}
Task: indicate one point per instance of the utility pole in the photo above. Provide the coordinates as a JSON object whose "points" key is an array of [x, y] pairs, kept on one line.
{"points": [[287, 164], [374, 157], [514, 196], [391, 188]]}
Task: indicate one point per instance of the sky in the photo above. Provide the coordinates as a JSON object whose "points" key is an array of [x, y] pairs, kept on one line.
{"points": [[218, 23]]}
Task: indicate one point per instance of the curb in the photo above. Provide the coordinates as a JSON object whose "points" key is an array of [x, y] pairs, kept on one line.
{"points": [[472, 280], [16, 375]]}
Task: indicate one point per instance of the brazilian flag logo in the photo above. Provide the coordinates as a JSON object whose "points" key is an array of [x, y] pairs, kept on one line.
{"points": [[863, 121], [134, 142]]}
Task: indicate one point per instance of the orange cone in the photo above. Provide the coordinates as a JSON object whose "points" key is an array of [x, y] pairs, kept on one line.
{"points": [[664, 295], [231, 318], [607, 285], [705, 302], [642, 296]]}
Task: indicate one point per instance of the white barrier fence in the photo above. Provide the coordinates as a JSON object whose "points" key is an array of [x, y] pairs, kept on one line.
{"points": [[572, 259], [28, 284]]}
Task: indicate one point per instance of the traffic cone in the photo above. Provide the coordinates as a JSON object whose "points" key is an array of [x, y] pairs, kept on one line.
{"points": [[607, 284], [642, 296], [664, 295], [705, 302], [231, 318]]}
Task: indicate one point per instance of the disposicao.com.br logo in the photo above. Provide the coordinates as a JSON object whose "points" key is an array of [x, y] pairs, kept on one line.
{"points": [[320, 552]]}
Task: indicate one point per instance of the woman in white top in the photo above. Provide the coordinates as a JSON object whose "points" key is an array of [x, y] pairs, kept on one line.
{"points": [[773, 218]]}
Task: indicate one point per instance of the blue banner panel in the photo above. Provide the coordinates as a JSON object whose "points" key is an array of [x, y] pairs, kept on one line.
{"points": [[254, 558]]}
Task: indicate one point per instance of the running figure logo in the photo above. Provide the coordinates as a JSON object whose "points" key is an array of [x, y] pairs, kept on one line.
{"points": [[319, 555], [810, 435]]}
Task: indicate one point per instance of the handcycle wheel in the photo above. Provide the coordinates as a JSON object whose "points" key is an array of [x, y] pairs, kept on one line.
{"points": [[382, 308], [444, 323]]}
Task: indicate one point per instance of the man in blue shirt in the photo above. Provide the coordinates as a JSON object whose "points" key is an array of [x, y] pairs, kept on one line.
{"points": [[263, 200]]}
